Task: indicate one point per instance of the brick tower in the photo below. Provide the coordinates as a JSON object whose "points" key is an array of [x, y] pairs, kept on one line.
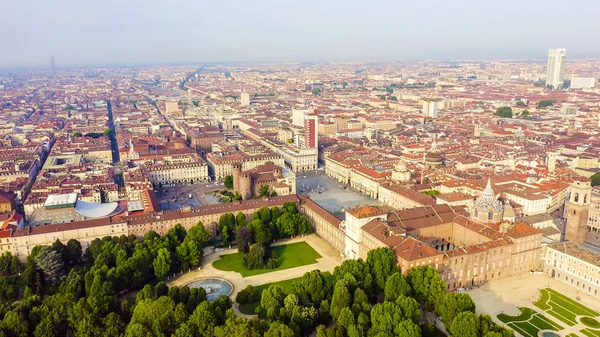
{"points": [[577, 210]]}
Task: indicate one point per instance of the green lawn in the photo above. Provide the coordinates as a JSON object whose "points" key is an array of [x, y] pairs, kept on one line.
{"points": [[529, 322], [289, 256], [591, 333], [562, 307], [526, 314], [591, 322], [524, 329], [287, 285]]}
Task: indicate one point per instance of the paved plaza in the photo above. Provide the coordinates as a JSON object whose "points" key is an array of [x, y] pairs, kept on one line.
{"points": [[334, 197], [177, 196]]}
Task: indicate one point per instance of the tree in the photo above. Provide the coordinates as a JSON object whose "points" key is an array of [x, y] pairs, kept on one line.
{"points": [[243, 238], [426, 285], [271, 301], [235, 327], [51, 263], [359, 270], [504, 112], [203, 320], [240, 219], [73, 251], [314, 286], [410, 308], [246, 295], [77, 134], [340, 298], [278, 329], [407, 328], [225, 235], [465, 324], [113, 325], [162, 263], [198, 233], [546, 103], [262, 233], [451, 305], [595, 179], [157, 315], [108, 133], [12, 324], [264, 191], [385, 318], [228, 182], [395, 286], [255, 259], [382, 263], [525, 113]]}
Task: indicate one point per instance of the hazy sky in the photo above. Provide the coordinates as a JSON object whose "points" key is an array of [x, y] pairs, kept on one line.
{"points": [[149, 31]]}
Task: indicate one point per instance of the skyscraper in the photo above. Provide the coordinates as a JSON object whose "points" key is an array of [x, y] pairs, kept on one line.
{"points": [[52, 65], [245, 98], [555, 75], [430, 108], [311, 137]]}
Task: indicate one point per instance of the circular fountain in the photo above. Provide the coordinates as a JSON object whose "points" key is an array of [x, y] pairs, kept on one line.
{"points": [[214, 287]]}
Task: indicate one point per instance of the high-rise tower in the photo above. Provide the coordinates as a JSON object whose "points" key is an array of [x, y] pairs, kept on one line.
{"points": [[552, 161], [577, 210], [555, 74], [52, 65], [311, 137]]}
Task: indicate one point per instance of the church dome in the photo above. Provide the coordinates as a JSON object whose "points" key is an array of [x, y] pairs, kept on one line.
{"points": [[486, 207], [434, 155]]}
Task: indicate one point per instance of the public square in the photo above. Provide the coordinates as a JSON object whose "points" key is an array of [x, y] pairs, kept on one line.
{"points": [[330, 194], [178, 196]]}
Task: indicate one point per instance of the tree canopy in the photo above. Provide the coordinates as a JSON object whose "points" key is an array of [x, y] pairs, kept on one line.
{"points": [[504, 112]]}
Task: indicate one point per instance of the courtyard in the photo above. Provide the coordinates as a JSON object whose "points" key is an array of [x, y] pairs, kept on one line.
{"points": [[330, 194], [536, 305]]}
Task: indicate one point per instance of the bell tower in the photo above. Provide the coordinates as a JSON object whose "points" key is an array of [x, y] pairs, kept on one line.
{"points": [[577, 210]]}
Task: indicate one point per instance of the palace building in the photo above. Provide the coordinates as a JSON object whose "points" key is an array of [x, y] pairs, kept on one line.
{"points": [[467, 247]]}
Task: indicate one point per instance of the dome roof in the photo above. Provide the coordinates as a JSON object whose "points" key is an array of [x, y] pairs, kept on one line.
{"points": [[488, 200], [400, 166], [434, 155], [90, 210]]}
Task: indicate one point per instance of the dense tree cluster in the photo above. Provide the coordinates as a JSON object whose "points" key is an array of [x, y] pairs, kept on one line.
{"points": [[504, 112], [60, 292], [546, 103]]}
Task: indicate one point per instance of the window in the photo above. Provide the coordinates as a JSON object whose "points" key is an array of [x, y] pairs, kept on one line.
{"points": [[490, 215]]}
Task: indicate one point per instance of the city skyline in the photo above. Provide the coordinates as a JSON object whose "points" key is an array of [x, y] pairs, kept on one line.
{"points": [[286, 32]]}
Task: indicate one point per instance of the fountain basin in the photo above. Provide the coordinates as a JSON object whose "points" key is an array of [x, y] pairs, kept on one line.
{"points": [[214, 287]]}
